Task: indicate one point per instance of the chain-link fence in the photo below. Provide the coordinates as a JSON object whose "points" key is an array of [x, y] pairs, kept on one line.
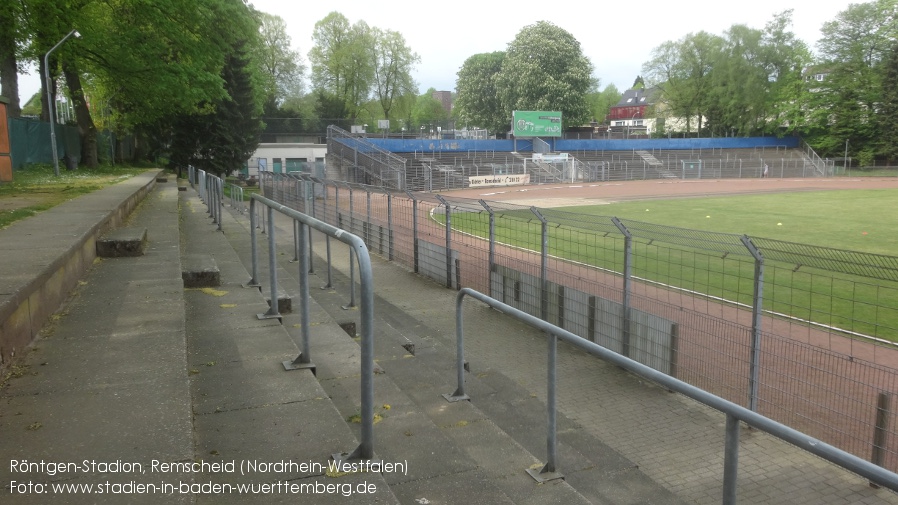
{"points": [[799, 333]]}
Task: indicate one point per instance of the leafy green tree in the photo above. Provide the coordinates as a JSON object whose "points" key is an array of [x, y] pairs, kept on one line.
{"points": [[889, 112], [282, 69], [787, 59], [222, 140], [342, 63], [393, 65], [681, 71], [429, 111], [10, 37], [545, 69], [845, 106], [600, 103], [478, 103]]}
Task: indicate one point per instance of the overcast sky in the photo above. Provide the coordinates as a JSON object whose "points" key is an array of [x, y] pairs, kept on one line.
{"points": [[617, 37]]}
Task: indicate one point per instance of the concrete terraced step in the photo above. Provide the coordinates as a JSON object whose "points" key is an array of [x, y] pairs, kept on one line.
{"points": [[453, 449], [247, 409]]}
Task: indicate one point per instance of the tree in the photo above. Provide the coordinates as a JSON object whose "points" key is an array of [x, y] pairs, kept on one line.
{"points": [[429, 111], [342, 64], [221, 141], [478, 103], [281, 68], [9, 51], [889, 112], [682, 73], [600, 103], [787, 59], [545, 69], [393, 64], [736, 99], [845, 106]]}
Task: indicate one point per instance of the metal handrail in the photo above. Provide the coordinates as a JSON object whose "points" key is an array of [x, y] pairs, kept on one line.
{"points": [[365, 450], [734, 413]]}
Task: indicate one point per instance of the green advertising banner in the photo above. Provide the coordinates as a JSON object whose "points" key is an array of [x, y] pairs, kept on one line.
{"points": [[536, 123]]}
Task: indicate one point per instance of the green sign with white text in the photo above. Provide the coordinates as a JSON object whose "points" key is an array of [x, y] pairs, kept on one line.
{"points": [[537, 123]]}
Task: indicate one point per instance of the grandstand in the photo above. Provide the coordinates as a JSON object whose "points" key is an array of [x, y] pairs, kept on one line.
{"points": [[440, 165]]}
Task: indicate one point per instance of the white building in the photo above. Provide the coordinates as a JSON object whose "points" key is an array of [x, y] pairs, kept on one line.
{"points": [[283, 158]]}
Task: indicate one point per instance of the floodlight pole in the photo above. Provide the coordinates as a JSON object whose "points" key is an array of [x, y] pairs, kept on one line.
{"points": [[50, 105]]}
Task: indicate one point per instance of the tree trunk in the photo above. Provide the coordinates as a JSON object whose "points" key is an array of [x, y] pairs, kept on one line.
{"points": [[86, 126], [9, 73]]}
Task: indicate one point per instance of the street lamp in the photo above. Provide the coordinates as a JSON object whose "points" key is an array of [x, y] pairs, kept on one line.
{"points": [[50, 104]]}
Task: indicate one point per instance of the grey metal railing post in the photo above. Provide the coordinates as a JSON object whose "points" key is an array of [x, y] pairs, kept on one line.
{"points": [[543, 265], [295, 242], [756, 312], [625, 297], [219, 194], [254, 280], [351, 283], [876, 474], [272, 267], [448, 240], [459, 393], [492, 244], [365, 449], [730, 460], [414, 230], [303, 361], [311, 198]]}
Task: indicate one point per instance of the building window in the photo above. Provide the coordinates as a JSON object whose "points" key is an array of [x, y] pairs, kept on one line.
{"points": [[618, 123], [819, 77]]}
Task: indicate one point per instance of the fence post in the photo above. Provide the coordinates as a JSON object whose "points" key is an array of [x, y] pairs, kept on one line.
{"points": [[390, 226], [881, 430], [448, 241], [414, 229], [492, 253], [756, 310], [368, 217], [327, 238], [628, 262], [351, 209], [544, 266]]}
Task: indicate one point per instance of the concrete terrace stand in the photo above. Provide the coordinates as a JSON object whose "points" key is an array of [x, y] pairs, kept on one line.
{"points": [[43, 257]]}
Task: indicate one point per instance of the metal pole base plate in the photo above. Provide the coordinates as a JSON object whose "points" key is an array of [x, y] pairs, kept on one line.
{"points": [[293, 365], [455, 397], [542, 475]]}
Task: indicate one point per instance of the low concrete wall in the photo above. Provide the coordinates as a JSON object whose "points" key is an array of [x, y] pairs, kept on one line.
{"points": [[43, 257], [652, 338]]}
